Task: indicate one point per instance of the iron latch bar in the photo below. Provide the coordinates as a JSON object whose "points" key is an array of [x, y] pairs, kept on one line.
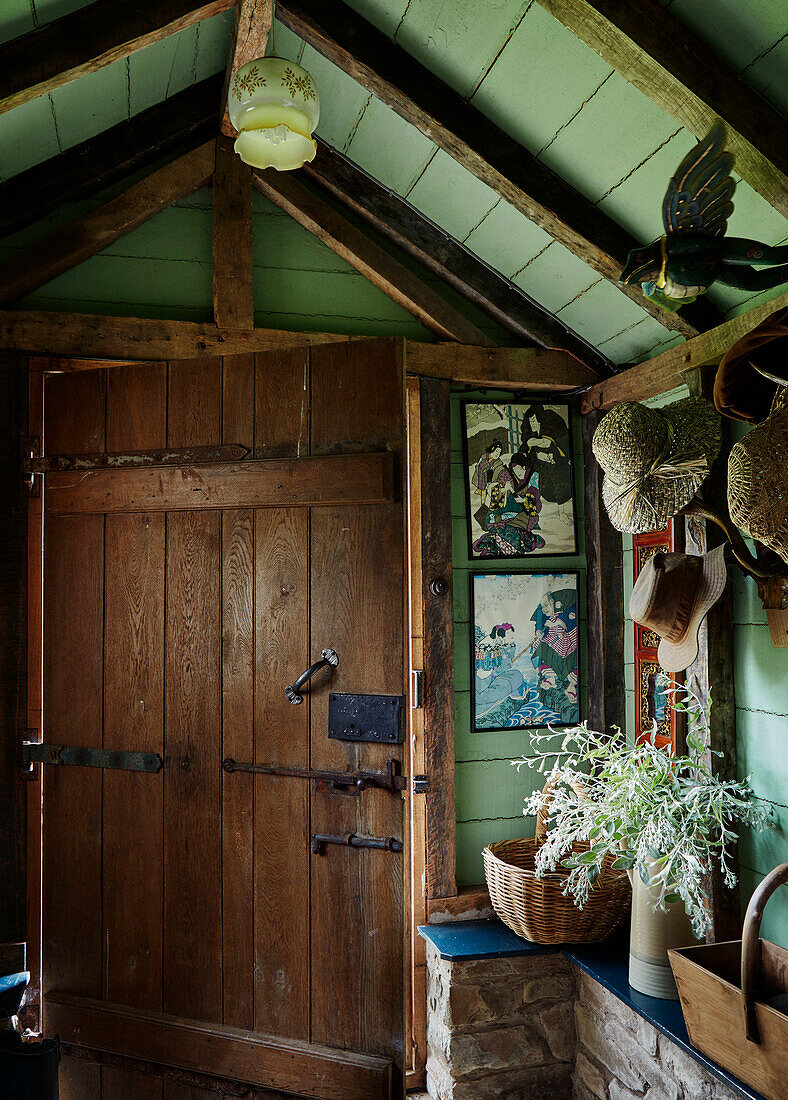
{"points": [[40, 752], [390, 780], [355, 840], [33, 463]]}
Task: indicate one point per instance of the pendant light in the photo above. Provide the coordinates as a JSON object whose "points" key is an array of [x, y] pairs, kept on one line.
{"points": [[274, 106]]}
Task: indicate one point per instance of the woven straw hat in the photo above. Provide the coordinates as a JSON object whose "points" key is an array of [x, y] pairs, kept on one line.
{"points": [[655, 460], [758, 480]]}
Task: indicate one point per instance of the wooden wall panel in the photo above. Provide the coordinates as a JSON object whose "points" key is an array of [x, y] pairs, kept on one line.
{"points": [[78, 1080], [238, 713], [357, 576], [282, 404], [133, 868], [74, 577], [282, 982], [192, 778], [194, 399], [192, 821], [282, 976]]}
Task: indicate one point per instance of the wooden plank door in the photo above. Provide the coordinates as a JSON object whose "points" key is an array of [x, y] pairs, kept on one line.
{"points": [[191, 941]]}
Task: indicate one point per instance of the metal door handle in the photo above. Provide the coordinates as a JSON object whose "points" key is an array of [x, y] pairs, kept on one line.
{"points": [[353, 840], [328, 657]]}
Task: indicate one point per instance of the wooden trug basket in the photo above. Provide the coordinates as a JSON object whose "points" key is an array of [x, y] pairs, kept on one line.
{"points": [[723, 988], [535, 908]]}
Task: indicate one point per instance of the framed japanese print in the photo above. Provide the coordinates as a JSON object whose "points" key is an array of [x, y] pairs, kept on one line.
{"points": [[652, 702], [519, 479], [524, 656]]}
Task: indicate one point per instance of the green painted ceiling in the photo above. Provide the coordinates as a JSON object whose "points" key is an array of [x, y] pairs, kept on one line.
{"points": [[514, 62]]}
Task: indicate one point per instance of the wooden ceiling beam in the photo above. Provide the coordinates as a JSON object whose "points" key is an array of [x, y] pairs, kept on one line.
{"points": [[253, 20], [492, 155], [541, 369], [89, 38], [666, 371], [415, 234], [373, 262], [167, 129], [233, 289], [80, 341], [95, 337], [679, 72], [39, 263]]}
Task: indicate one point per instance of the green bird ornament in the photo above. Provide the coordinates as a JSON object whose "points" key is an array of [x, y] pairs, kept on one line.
{"points": [[694, 253]]}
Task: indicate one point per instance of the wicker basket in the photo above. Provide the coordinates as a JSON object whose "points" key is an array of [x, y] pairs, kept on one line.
{"points": [[536, 909]]}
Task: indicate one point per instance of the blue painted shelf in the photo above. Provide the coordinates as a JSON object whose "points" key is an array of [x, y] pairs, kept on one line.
{"points": [[607, 963]]}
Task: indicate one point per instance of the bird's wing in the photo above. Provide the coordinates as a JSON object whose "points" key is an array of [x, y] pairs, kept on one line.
{"points": [[698, 198]]}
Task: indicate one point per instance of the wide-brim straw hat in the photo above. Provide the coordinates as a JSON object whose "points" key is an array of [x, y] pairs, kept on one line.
{"points": [[743, 386], [758, 480], [655, 460], [672, 595]]}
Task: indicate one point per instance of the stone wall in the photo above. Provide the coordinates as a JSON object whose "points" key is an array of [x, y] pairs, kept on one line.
{"points": [[500, 1029], [535, 1027], [620, 1056]]}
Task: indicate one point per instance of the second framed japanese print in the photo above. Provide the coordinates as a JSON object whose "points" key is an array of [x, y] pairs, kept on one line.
{"points": [[519, 479], [524, 657]]}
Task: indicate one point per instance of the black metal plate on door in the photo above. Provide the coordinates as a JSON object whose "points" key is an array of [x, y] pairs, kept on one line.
{"points": [[365, 718]]}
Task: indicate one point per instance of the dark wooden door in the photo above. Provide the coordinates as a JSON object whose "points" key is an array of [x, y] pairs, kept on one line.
{"points": [[186, 925]]}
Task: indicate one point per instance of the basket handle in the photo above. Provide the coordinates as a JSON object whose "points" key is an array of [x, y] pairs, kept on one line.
{"points": [[751, 946], [543, 813]]}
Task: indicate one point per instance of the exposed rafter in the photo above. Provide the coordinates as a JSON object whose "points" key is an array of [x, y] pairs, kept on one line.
{"points": [[418, 96], [84, 340], [377, 265], [455, 264], [682, 75], [167, 129], [88, 39], [253, 19], [665, 371], [41, 262]]}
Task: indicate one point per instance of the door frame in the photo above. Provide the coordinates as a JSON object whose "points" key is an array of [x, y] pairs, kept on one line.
{"points": [[431, 742]]}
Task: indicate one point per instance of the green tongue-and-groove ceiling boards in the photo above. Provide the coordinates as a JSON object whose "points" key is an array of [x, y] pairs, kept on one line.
{"points": [[515, 63]]}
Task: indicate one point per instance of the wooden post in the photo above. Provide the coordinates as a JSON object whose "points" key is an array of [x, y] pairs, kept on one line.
{"points": [[438, 638], [13, 588], [604, 558], [233, 299], [711, 675]]}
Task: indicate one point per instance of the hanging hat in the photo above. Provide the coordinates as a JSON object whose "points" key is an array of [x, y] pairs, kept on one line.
{"points": [[758, 480], [750, 372], [671, 596], [654, 459]]}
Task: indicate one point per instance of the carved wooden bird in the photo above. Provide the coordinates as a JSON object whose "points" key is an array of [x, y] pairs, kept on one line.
{"points": [[694, 253]]}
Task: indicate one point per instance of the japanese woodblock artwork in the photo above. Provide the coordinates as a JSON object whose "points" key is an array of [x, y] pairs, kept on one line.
{"points": [[654, 715], [519, 479], [524, 650]]}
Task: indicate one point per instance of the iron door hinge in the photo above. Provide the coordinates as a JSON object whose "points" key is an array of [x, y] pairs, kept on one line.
{"points": [[41, 752]]}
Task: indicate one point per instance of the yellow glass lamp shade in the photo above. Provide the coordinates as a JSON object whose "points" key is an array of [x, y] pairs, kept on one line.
{"points": [[274, 106]]}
